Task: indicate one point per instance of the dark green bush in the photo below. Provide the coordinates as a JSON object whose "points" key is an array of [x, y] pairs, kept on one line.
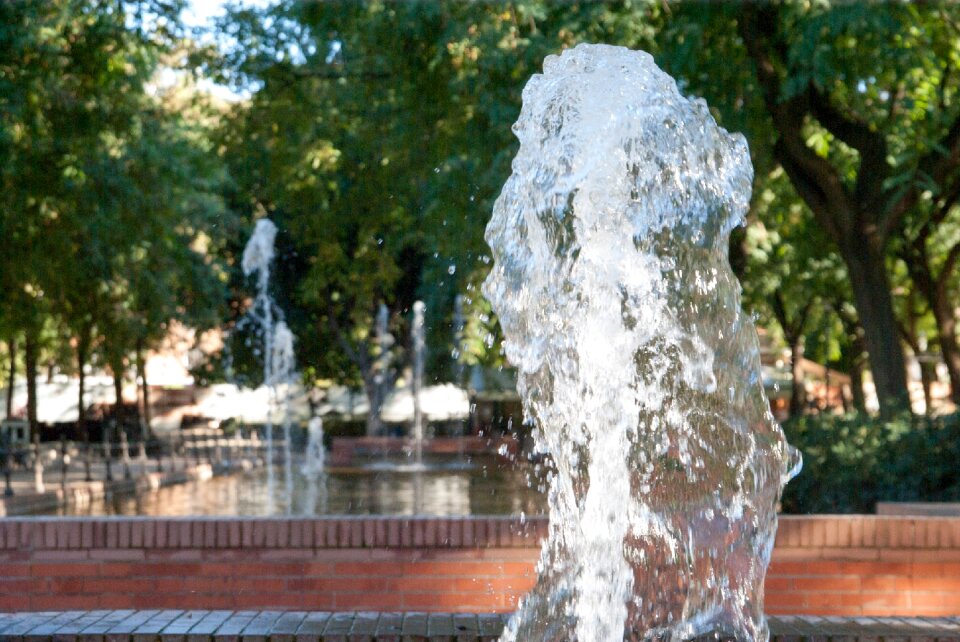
{"points": [[852, 462]]}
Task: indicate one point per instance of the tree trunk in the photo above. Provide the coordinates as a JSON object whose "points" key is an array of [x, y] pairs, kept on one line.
{"points": [[374, 404], [81, 401], [871, 291], [856, 387], [926, 381], [947, 335], [30, 363], [118, 394], [797, 391], [145, 392], [12, 376]]}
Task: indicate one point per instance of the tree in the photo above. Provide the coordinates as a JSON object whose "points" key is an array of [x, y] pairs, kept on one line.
{"points": [[109, 195], [859, 110], [788, 278]]}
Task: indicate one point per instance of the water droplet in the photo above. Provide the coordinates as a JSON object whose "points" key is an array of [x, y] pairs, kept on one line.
{"points": [[451, 269]]}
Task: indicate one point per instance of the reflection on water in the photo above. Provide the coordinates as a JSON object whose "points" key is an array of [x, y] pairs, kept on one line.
{"points": [[481, 490]]}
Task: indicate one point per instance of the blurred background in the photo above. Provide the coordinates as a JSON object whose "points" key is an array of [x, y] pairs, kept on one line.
{"points": [[140, 141]]}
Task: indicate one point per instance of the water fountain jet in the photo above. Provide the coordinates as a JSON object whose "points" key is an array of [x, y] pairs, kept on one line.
{"points": [[278, 355], [635, 360]]}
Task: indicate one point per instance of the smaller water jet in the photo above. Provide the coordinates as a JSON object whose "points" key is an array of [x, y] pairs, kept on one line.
{"points": [[314, 468], [417, 337]]}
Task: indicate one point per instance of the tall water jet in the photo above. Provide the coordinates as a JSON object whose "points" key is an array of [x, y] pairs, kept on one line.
{"points": [[381, 378], [635, 361], [278, 355], [283, 367], [417, 338]]}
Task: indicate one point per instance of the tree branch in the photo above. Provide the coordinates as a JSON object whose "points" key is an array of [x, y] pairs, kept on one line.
{"points": [[938, 165], [352, 353], [947, 270], [857, 134], [817, 181]]}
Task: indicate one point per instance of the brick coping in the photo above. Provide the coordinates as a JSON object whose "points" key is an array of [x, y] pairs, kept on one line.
{"points": [[174, 625], [837, 533]]}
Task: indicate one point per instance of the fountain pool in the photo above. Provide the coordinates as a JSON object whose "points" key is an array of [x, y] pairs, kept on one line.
{"points": [[490, 487]]}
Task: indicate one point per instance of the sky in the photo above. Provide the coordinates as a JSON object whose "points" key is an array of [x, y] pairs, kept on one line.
{"points": [[202, 13]]}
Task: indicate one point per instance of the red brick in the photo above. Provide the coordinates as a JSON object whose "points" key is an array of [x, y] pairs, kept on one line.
{"points": [[273, 569], [356, 533], [234, 533], [266, 600], [168, 585], [927, 569], [263, 584], [833, 600], [884, 583], [491, 585], [784, 599], [422, 584], [197, 533], [207, 584], [58, 585], [894, 603], [117, 585], [63, 602], [377, 569], [20, 569], [17, 602], [516, 568], [777, 584], [370, 601], [23, 585], [318, 601], [936, 584], [73, 533], [124, 533], [117, 601], [49, 534], [65, 569], [451, 601], [149, 533], [818, 584]]}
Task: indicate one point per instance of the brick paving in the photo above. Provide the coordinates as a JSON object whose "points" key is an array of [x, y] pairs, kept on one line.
{"points": [[303, 626]]}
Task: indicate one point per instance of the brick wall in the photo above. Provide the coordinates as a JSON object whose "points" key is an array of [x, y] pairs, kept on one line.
{"points": [[865, 565], [827, 565]]}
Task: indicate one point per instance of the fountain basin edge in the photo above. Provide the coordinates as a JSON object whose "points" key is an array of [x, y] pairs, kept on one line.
{"points": [[856, 565]]}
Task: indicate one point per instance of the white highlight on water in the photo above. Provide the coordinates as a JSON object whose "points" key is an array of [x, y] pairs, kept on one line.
{"points": [[635, 361]]}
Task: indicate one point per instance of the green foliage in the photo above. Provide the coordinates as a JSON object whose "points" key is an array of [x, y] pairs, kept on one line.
{"points": [[850, 463], [111, 193]]}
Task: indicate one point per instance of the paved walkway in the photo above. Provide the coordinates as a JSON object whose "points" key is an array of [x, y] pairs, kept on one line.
{"points": [[303, 626]]}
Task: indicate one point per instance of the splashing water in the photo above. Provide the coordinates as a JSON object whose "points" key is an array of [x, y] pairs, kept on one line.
{"points": [[635, 361]]}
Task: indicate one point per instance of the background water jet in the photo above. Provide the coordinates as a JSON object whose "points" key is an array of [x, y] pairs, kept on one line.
{"points": [[279, 363], [635, 360]]}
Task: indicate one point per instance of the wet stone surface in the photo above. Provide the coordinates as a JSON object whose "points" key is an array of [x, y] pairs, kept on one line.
{"points": [[173, 625]]}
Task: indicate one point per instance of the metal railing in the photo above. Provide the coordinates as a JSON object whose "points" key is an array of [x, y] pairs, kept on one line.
{"points": [[98, 461]]}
